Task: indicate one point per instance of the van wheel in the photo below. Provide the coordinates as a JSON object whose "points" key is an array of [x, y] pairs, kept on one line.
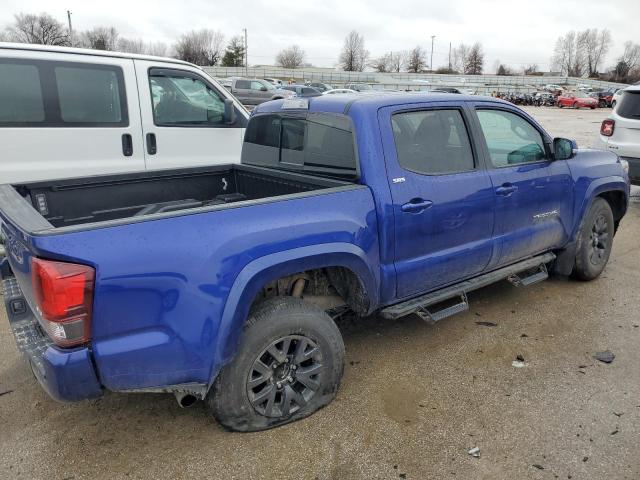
{"points": [[595, 240], [289, 364]]}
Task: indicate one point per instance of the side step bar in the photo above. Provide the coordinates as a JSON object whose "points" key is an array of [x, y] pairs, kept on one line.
{"points": [[523, 273]]}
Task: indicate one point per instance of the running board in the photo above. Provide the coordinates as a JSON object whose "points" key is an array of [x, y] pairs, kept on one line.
{"points": [[531, 277], [433, 317], [417, 304]]}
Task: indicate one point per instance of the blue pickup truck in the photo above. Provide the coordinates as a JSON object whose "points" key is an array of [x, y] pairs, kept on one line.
{"points": [[223, 283]]}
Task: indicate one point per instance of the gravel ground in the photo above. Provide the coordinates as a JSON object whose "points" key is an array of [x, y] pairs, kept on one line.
{"points": [[414, 399]]}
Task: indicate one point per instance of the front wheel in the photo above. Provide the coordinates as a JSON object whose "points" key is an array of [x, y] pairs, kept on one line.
{"points": [[595, 240], [576, 106], [289, 365]]}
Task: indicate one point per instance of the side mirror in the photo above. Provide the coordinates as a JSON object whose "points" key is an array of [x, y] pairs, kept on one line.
{"points": [[563, 148], [263, 89], [229, 112]]}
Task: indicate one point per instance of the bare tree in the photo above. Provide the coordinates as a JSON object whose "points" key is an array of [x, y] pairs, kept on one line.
{"points": [[42, 29], [531, 69], [416, 60], [569, 55], [460, 56], [596, 44], [398, 61], [131, 45], [100, 38], [291, 57], [475, 60], [354, 54], [202, 47], [628, 62], [383, 64], [503, 70], [157, 49]]}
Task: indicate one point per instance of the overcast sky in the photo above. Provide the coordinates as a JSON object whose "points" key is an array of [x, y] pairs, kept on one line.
{"points": [[517, 32]]}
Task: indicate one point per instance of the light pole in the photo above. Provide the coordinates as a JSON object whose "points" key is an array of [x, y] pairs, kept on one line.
{"points": [[432, 37], [246, 54], [70, 29]]}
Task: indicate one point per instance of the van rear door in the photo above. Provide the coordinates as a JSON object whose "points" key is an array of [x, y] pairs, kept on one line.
{"points": [[67, 115], [183, 117]]}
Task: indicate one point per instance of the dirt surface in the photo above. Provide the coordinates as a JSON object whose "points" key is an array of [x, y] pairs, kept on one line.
{"points": [[414, 399]]}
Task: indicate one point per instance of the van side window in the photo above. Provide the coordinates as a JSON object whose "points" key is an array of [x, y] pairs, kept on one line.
{"points": [[20, 94], [183, 100], [432, 142], [43, 93], [89, 95]]}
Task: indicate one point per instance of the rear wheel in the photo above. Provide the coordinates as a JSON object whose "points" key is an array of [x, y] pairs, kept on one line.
{"points": [[576, 106], [289, 364], [595, 240]]}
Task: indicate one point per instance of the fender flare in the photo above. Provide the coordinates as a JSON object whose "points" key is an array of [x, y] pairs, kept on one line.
{"points": [[271, 267], [564, 262], [597, 187]]}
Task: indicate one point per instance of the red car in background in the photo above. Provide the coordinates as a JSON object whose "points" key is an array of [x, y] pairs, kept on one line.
{"points": [[577, 100]]}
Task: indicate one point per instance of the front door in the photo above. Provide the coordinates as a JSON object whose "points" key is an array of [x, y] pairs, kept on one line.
{"points": [[534, 193], [442, 197], [183, 119]]}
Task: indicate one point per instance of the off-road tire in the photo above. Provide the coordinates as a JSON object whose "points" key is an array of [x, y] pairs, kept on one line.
{"points": [[594, 241], [274, 319]]}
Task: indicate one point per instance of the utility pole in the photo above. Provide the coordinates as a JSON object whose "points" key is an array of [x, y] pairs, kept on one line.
{"points": [[432, 37], [246, 54], [449, 57], [70, 28]]}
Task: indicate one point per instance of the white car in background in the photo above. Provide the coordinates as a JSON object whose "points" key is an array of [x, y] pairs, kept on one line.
{"points": [[616, 97], [620, 133], [338, 91]]}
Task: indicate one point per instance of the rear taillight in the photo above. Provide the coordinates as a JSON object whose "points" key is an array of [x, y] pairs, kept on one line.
{"points": [[607, 127], [64, 296]]}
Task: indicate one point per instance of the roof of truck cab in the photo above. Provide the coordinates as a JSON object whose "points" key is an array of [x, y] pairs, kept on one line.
{"points": [[344, 102], [90, 52]]}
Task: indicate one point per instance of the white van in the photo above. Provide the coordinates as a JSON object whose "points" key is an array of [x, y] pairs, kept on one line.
{"points": [[67, 112]]}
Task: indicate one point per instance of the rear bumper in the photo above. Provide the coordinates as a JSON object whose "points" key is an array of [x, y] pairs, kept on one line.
{"points": [[67, 375]]}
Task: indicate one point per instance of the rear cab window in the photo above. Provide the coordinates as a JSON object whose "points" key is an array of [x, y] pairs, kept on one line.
{"points": [[319, 143], [629, 106]]}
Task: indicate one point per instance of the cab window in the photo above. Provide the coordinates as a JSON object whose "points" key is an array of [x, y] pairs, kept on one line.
{"points": [[511, 140], [432, 142], [183, 99]]}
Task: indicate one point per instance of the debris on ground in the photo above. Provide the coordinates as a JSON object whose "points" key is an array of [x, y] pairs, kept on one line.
{"points": [[524, 335], [475, 452], [520, 358], [487, 324], [518, 363], [538, 466], [605, 357], [5, 392]]}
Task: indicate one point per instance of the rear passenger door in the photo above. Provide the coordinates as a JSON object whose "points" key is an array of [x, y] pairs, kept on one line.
{"points": [[183, 120], [533, 192], [67, 115], [442, 196]]}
